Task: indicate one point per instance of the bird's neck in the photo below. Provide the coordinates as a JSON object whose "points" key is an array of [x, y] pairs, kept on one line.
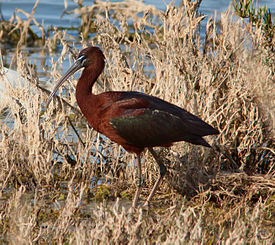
{"points": [[84, 88]]}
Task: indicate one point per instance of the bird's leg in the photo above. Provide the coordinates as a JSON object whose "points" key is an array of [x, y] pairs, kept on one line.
{"points": [[139, 182], [162, 170]]}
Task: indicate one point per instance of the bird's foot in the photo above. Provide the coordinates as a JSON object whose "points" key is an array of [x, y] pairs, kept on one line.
{"points": [[145, 205]]}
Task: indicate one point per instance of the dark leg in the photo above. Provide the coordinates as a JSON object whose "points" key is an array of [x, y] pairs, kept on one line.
{"points": [[139, 182], [162, 170]]}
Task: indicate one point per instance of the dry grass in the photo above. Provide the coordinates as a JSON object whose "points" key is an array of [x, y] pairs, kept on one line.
{"points": [[55, 189]]}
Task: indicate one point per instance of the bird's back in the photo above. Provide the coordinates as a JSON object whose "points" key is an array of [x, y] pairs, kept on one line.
{"points": [[147, 121]]}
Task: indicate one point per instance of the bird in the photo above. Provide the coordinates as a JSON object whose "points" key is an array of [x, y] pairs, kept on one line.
{"points": [[15, 80], [134, 120]]}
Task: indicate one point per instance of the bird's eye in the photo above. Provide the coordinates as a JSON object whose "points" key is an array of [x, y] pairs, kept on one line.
{"points": [[82, 59]]}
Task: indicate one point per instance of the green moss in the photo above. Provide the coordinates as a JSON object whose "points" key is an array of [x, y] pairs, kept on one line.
{"points": [[102, 193]]}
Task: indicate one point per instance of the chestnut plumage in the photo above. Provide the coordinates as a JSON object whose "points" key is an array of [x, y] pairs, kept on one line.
{"points": [[131, 119]]}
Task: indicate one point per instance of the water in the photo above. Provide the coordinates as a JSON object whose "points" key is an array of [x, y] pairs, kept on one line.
{"points": [[49, 13]]}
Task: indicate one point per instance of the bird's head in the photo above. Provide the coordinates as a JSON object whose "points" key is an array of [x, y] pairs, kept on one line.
{"points": [[91, 57]]}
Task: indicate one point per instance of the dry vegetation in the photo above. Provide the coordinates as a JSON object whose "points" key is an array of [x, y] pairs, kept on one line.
{"points": [[56, 187]]}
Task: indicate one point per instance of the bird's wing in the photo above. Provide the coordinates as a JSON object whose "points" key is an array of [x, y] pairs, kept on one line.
{"points": [[143, 120], [149, 127]]}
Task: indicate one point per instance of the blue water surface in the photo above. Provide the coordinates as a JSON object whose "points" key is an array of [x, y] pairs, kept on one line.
{"points": [[50, 13]]}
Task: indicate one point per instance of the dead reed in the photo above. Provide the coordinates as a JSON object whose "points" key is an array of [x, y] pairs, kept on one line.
{"points": [[56, 187]]}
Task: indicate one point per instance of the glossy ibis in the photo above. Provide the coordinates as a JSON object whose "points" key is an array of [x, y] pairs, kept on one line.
{"points": [[132, 119]]}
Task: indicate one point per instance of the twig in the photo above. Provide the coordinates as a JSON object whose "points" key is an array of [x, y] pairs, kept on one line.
{"points": [[222, 151], [77, 134]]}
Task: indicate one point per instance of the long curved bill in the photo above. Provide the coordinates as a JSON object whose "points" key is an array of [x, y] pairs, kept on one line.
{"points": [[74, 68]]}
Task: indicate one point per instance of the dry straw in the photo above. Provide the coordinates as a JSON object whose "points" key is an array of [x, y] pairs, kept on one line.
{"points": [[56, 187]]}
